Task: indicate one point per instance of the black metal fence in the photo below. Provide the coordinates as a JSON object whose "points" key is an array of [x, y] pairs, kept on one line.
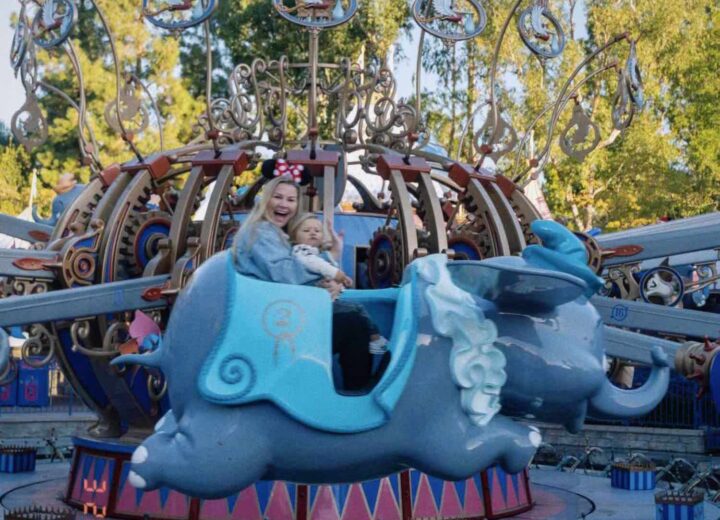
{"points": [[681, 408]]}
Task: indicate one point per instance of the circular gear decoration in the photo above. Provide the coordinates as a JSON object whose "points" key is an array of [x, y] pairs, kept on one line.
{"points": [[141, 238], [465, 246], [594, 252], [317, 14], [634, 79], [662, 285], [19, 45], [535, 35], [178, 16], [623, 109], [54, 22], [385, 264], [450, 20]]}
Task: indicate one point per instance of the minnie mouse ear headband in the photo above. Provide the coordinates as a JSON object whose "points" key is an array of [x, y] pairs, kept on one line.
{"points": [[280, 167]]}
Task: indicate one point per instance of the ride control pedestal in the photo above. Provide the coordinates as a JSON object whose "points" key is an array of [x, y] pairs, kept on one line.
{"points": [[98, 485]]}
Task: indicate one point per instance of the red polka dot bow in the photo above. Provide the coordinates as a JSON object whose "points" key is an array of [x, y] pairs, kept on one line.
{"points": [[282, 167]]}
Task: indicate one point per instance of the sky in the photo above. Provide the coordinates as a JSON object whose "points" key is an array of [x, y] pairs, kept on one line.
{"points": [[12, 94]]}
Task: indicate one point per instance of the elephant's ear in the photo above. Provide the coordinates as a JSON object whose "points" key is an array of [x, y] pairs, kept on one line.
{"points": [[512, 282], [561, 251]]}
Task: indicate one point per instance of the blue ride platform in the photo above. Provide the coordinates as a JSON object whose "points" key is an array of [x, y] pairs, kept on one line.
{"points": [[95, 481]]}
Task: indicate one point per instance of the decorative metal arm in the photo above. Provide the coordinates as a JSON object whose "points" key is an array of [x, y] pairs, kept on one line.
{"points": [[82, 113], [40, 220], [563, 94], [493, 75], [116, 61], [156, 109], [73, 104], [528, 132]]}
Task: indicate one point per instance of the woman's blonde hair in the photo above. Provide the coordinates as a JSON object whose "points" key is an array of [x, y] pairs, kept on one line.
{"points": [[258, 212], [298, 221]]}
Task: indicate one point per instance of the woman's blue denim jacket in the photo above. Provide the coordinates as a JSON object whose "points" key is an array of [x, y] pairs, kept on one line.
{"points": [[264, 252]]}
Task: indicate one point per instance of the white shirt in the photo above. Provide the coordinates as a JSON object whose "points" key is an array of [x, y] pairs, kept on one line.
{"points": [[315, 261]]}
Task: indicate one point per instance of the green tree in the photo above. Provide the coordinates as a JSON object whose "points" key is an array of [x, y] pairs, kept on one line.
{"points": [[667, 162], [252, 29], [144, 52], [14, 181]]}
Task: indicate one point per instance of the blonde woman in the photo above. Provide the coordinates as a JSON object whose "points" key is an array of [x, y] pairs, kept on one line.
{"points": [[262, 250], [261, 247]]}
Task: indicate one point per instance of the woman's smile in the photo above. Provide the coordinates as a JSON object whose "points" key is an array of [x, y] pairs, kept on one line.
{"points": [[283, 205]]}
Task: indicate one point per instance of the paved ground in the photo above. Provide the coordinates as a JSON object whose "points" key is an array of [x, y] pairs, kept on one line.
{"points": [[609, 503], [558, 495]]}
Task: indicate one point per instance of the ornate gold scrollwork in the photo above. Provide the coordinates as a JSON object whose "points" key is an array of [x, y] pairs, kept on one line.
{"points": [[386, 122], [80, 332], [79, 261], [115, 335], [21, 287], [264, 92], [39, 349]]}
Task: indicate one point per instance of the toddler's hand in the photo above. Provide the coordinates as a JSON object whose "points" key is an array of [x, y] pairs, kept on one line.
{"points": [[336, 244], [333, 287], [344, 279]]}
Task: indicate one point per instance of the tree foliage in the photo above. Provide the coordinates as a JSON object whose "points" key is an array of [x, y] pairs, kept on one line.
{"points": [[152, 57], [666, 163], [14, 183]]}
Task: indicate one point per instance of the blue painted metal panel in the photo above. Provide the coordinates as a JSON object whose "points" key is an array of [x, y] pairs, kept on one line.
{"points": [[32, 386], [8, 393]]}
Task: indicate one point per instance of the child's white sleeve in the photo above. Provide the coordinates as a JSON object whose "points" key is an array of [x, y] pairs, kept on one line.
{"points": [[316, 264], [328, 257]]}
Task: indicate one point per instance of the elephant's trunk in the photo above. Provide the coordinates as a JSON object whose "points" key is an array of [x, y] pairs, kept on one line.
{"points": [[152, 359], [612, 402], [47, 221]]}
